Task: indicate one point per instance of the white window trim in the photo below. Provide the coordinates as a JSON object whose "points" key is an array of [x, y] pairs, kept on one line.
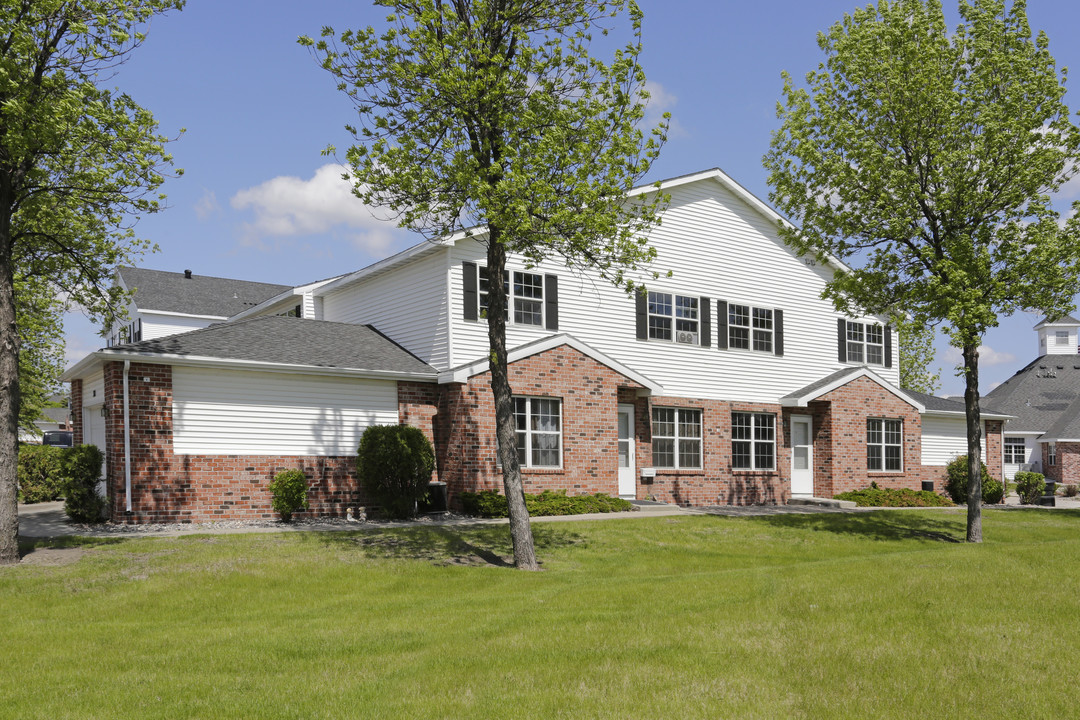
{"points": [[1051, 453], [753, 441], [864, 343], [750, 328], [677, 439], [1006, 444], [674, 318], [884, 445], [481, 311], [529, 432]]}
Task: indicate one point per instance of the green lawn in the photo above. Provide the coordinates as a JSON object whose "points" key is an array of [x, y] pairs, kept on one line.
{"points": [[815, 616]]}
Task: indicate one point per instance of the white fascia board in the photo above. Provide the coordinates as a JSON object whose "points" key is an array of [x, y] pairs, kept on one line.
{"points": [[281, 297], [1055, 323], [84, 367], [855, 374], [170, 313], [462, 373], [103, 356], [421, 248], [983, 414]]}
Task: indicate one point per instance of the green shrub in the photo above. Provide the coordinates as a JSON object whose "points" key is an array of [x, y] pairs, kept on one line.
{"points": [[40, 473], [956, 483], [395, 464], [489, 503], [891, 497], [289, 490], [81, 469], [1029, 486]]}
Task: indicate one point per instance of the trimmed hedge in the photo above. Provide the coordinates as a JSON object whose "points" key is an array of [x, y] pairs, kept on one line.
{"points": [[82, 470], [1030, 487], [889, 497], [957, 479], [490, 503], [41, 476], [289, 491], [395, 464]]}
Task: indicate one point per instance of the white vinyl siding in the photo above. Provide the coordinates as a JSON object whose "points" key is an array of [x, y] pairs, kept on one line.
{"points": [[94, 390], [716, 246], [237, 412], [408, 305], [944, 439], [155, 326]]}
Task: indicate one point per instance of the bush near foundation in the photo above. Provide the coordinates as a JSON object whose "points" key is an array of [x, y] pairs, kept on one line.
{"points": [[489, 503], [395, 463], [1070, 490], [41, 478], [1029, 486], [875, 496], [956, 483], [289, 490], [81, 468]]}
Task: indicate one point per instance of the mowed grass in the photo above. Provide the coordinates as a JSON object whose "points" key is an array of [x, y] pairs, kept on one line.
{"points": [[816, 616]]}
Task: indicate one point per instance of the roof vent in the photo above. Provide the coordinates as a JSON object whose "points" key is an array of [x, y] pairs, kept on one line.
{"points": [[187, 274]]}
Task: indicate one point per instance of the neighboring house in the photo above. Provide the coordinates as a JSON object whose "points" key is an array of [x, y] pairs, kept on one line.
{"points": [[52, 418], [732, 381], [1044, 398]]}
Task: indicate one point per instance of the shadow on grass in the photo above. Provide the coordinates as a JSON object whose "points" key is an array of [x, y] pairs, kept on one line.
{"points": [[883, 525], [488, 545], [29, 544]]}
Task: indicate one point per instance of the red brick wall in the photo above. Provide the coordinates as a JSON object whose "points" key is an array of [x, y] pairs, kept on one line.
{"points": [[76, 412], [1067, 467], [418, 405]]}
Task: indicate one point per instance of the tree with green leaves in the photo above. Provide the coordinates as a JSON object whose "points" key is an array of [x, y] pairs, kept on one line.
{"points": [[41, 348], [79, 163], [928, 160], [916, 356], [490, 117]]}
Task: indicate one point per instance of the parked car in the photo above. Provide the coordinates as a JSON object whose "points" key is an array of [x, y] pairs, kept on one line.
{"points": [[59, 438]]}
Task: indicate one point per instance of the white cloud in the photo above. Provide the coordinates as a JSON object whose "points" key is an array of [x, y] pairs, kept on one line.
{"points": [[288, 206], [987, 356], [207, 205], [76, 347], [660, 102]]}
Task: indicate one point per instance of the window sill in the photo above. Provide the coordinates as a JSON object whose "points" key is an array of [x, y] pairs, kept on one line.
{"points": [[679, 471], [541, 470], [744, 471]]}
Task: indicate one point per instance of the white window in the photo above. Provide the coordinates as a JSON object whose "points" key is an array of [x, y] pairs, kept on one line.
{"points": [[1061, 337], [676, 437], [884, 445], [750, 328], [1051, 453], [865, 343], [753, 441], [673, 317], [525, 296], [1015, 450], [538, 422]]}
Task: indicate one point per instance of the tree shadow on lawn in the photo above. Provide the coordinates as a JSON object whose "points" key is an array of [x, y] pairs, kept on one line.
{"points": [[442, 545], [878, 525]]}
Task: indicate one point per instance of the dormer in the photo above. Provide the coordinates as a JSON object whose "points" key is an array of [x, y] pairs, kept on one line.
{"points": [[1058, 337]]}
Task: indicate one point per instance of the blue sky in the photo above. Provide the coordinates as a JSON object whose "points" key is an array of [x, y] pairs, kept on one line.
{"points": [[257, 202]]}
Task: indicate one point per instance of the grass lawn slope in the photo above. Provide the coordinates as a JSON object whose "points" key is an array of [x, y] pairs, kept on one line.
{"points": [[878, 615]]}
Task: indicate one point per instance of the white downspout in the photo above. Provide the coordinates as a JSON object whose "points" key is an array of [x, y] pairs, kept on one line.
{"points": [[127, 438]]}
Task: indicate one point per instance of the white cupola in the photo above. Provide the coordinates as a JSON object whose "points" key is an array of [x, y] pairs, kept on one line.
{"points": [[1058, 337]]}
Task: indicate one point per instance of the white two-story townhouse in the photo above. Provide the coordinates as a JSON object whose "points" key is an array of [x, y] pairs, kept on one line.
{"points": [[729, 381]]}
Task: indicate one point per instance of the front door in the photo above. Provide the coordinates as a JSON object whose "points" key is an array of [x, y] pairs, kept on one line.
{"points": [[627, 466], [802, 455]]}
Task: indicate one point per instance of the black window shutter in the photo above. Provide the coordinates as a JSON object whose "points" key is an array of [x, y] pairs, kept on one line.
{"points": [[641, 297], [778, 330], [551, 301], [469, 296], [888, 346], [721, 324], [705, 307], [841, 339]]}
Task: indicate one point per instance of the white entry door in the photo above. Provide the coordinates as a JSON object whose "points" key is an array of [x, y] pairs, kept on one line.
{"points": [[802, 455], [627, 466]]}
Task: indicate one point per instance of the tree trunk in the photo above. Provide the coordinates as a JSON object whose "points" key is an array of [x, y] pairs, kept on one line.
{"points": [[974, 437], [505, 431], [9, 397]]}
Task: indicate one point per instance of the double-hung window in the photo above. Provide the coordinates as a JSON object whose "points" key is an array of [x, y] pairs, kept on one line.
{"points": [[525, 296], [1015, 450], [750, 328], [753, 441], [538, 422], [865, 343], [1051, 453], [676, 437], [884, 444], [673, 317]]}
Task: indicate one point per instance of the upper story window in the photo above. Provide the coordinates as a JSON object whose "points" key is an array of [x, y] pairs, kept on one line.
{"points": [[531, 298], [753, 441], [538, 422], [673, 317], [295, 312], [884, 444], [1061, 337], [865, 343], [750, 328], [676, 437], [1015, 450]]}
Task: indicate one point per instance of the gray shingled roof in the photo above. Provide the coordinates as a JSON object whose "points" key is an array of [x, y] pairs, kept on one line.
{"points": [[198, 295], [1041, 394], [933, 403], [292, 341]]}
